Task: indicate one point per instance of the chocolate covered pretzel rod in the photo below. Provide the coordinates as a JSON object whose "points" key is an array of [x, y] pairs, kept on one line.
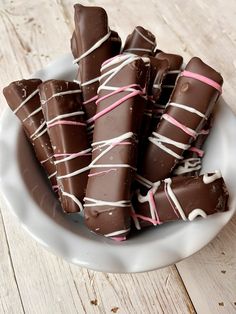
{"points": [[180, 198], [23, 99], [191, 103], [175, 63], [62, 107], [92, 43], [158, 71], [140, 42], [120, 108]]}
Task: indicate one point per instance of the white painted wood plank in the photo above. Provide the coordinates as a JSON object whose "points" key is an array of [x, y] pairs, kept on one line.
{"points": [[210, 275], [10, 299]]}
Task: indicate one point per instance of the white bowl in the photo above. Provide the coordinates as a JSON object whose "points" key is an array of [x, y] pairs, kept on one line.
{"points": [[27, 193]]}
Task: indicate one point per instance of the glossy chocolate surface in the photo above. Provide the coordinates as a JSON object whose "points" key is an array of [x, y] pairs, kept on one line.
{"points": [[91, 25], [115, 184], [67, 137], [31, 117], [191, 193], [140, 42], [158, 164]]}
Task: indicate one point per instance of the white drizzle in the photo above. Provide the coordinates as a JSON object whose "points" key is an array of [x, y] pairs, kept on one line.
{"points": [[33, 113], [135, 219], [195, 213], [174, 72], [145, 182], [66, 115], [94, 203], [174, 198], [116, 233], [124, 60], [73, 156], [209, 178], [158, 139], [144, 37], [26, 100], [138, 49], [188, 165], [110, 143], [94, 47], [38, 129], [75, 199], [187, 108], [146, 198], [68, 92], [52, 175]]}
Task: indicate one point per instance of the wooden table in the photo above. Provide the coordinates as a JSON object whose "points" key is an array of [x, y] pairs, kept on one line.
{"points": [[32, 280]]}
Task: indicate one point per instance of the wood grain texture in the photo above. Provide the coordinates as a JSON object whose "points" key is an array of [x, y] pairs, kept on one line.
{"points": [[10, 297], [31, 35], [210, 275]]}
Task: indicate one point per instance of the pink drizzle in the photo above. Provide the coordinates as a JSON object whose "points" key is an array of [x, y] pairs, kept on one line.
{"points": [[145, 218], [90, 100], [109, 60], [152, 204], [203, 79], [204, 132], [179, 125], [118, 239], [118, 102], [55, 188], [196, 150]]}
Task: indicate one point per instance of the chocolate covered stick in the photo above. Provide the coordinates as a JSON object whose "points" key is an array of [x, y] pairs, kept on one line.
{"points": [[62, 107], [191, 103], [191, 163], [23, 99], [181, 198], [140, 42], [158, 71], [175, 63], [118, 119], [92, 43]]}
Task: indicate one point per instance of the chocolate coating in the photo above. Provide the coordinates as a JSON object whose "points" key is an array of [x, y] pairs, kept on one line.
{"points": [[158, 71], [158, 164], [67, 139], [191, 193], [113, 183], [91, 24], [192, 160], [175, 63], [15, 94], [140, 42]]}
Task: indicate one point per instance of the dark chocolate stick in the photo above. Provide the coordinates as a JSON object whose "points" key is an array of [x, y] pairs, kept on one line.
{"points": [[62, 108], [181, 198], [191, 163], [92, 43], [191, 103], [175, 63], [158, 71], [23, 99], [140, 42], [118, 119]]}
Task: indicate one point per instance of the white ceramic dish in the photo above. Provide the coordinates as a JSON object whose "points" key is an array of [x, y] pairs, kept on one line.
{"points": [[39, 211]]}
